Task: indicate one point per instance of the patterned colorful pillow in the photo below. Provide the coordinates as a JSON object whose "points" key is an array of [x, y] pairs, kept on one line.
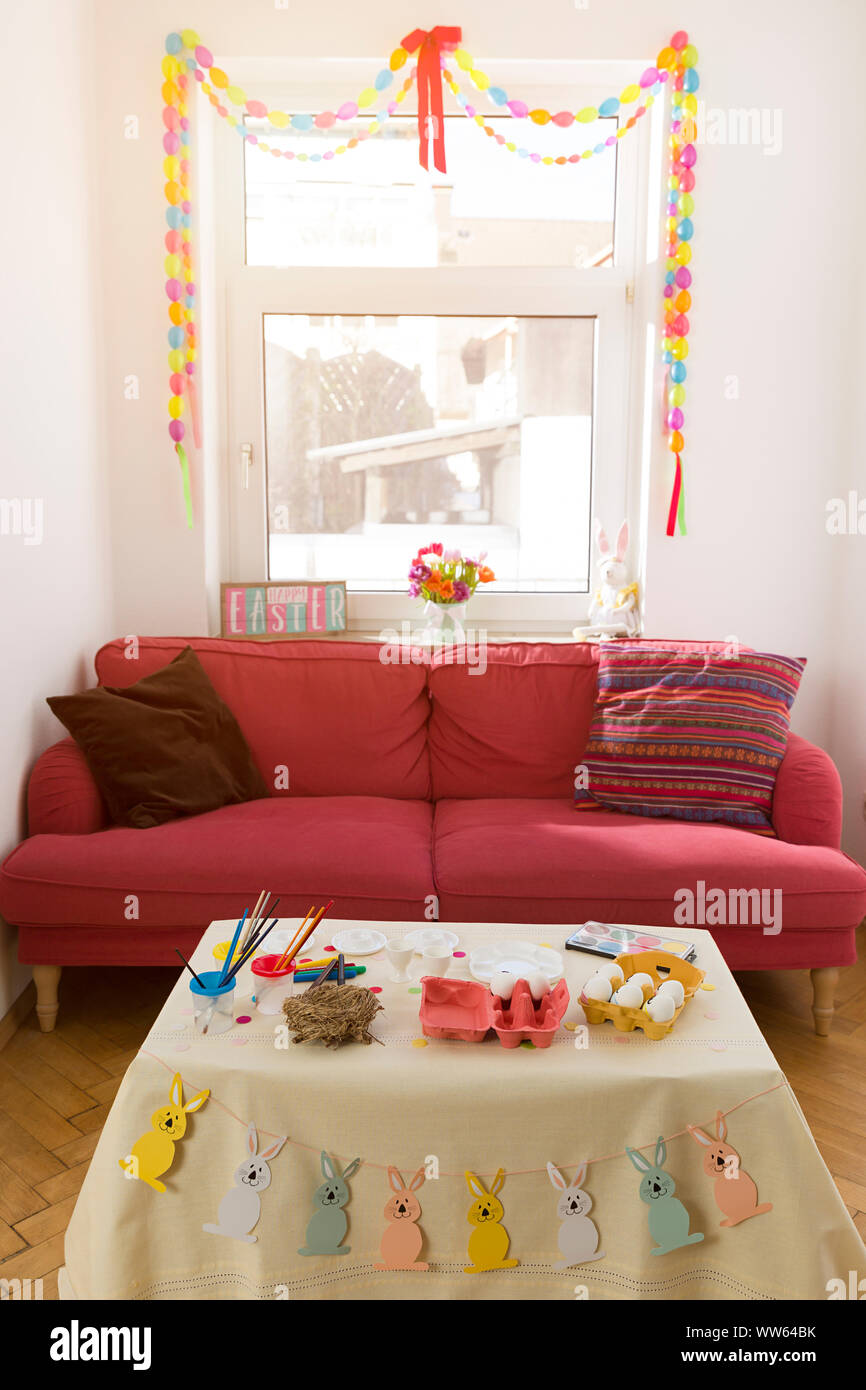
{"points": [[695, 735]]}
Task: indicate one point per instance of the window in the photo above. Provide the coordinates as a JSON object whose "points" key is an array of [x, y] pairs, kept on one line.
{"points": [[383, 433], [378, 207], [417, 357]]}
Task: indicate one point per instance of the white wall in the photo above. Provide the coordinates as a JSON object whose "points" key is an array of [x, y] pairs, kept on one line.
{"points": [[56, 596]]}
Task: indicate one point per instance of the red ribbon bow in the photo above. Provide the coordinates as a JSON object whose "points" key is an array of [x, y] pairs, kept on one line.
{"points": [[431, 43]]}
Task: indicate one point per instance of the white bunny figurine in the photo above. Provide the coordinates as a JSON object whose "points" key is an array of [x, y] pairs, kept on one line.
{"points": [[241, 1207], [614, 609], [578, 1236]]}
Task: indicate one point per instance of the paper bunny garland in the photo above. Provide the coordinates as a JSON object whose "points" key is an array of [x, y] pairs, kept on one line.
{"points": [[241, 1207], [489, 1241], [328, 1224], [735, 1193], [578, 1235], [668, 1219], [153, 1154], [402, 1238]]}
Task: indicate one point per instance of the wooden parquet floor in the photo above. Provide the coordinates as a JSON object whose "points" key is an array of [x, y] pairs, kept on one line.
{"points": [[56, 1089]]}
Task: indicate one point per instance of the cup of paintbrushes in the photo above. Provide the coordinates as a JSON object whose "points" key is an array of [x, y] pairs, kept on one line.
{"points": [[273, 984], [214, 1002]]}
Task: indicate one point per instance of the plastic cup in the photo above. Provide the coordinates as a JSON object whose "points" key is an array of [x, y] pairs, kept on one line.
{"points": [[214, 1003], [272, 986]]}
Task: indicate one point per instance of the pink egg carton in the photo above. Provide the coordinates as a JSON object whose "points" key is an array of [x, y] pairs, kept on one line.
{"points": [[466, 1011]]}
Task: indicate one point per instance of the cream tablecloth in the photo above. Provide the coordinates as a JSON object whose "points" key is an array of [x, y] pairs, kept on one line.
{"points": [[459, 1106]]}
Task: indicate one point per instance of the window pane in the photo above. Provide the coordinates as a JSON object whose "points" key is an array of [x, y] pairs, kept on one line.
{"points": [[385, 433], [375, 205]]}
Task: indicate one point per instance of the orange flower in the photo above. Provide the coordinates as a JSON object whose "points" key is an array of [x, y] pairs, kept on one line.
{"points": [[434, 582], [485, 575], [447, 589]]}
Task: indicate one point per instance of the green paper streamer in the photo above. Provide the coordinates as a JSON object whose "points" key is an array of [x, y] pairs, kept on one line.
{"points": [[187, 493], [681, 509]]}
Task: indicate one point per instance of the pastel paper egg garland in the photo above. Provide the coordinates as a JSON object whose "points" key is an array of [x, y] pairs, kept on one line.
{"points": [[680, 58]]}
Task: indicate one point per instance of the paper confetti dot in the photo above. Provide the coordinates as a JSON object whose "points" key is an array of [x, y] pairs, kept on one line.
{"points": [[375, 989], [419, 1042], [459, 955], [187, 1011], [527, 1043], [414, 989], [718, 1046], [705, 984], [546, 945], [181, 1047], [329, 948], [711, 1013], [239, 1042], [621, 1038], [243, 1018]]}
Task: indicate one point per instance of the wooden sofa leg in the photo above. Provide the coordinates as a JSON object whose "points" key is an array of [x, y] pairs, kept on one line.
{"points": [[824, 982], [46, 978]]}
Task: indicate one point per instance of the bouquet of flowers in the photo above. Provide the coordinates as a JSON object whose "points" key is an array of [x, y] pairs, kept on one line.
{"points": [[446, 576]]}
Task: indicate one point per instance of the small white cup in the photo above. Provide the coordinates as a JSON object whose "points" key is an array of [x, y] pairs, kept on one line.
{"points": [[399, 953], [434, 962]]}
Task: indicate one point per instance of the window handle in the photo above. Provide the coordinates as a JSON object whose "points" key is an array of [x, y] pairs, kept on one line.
{"points": [[246, 464]]}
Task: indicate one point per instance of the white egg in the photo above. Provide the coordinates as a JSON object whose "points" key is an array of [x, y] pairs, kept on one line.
{"points": [[597, 987], [611, 971], [502, 984], [660, 1008], [642, 980], [539, 985], [675, 990], [629, 995]]}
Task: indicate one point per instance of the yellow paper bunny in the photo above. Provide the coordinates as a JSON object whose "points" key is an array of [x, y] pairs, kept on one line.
{"points": [[488, 1243], [153, 1153]]}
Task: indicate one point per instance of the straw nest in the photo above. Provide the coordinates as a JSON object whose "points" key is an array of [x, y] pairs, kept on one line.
{"points": [[332, 1014]]}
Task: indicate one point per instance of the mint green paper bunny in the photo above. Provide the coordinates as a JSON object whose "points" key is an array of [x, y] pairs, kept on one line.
{"points": [[328, 1224], [668, 1219]]}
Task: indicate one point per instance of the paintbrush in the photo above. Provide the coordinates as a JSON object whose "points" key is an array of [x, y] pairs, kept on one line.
{"points": [[197, 978]]}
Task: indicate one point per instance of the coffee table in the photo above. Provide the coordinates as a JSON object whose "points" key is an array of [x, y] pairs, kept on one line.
{"points": [[446, 1107]]}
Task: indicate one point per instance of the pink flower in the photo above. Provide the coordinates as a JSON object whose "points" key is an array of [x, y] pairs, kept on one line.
{"points": [[461, 591]]}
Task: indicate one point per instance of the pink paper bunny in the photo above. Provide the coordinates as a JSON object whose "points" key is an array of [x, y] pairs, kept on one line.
{"points": [[402, 1239], [735, 1192]]}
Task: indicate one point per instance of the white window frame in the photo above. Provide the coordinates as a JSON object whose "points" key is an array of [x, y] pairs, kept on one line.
{"points": [[611, 295]]}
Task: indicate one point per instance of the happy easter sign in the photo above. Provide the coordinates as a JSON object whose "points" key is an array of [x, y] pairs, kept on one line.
{"points": [[264, 611]]}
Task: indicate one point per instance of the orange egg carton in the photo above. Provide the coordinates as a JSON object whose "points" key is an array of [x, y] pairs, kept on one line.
{"points": [[660, 966]]}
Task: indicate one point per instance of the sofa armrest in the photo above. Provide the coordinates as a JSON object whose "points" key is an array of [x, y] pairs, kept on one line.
{"points": [[62, 797], [807, 801]]}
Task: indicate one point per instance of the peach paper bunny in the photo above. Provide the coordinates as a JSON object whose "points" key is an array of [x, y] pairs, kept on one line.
{"points": [[402, 1238], [735, 1192]]}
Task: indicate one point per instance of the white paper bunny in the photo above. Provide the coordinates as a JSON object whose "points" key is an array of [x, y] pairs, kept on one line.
{"points": [[578, 1235], [240, 1208], [614, 608]]}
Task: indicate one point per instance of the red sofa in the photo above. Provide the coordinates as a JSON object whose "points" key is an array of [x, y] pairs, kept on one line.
{"points": [[412, 787]]}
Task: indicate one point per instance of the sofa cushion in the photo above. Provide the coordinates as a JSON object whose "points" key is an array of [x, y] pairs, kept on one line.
{"points": [[327, 717], [164, 747], [515, 727], [689, 735], [371, 854], [536, 861]]}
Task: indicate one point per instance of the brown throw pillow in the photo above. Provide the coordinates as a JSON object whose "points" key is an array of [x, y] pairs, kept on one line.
{"points": [[165, 747]]}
